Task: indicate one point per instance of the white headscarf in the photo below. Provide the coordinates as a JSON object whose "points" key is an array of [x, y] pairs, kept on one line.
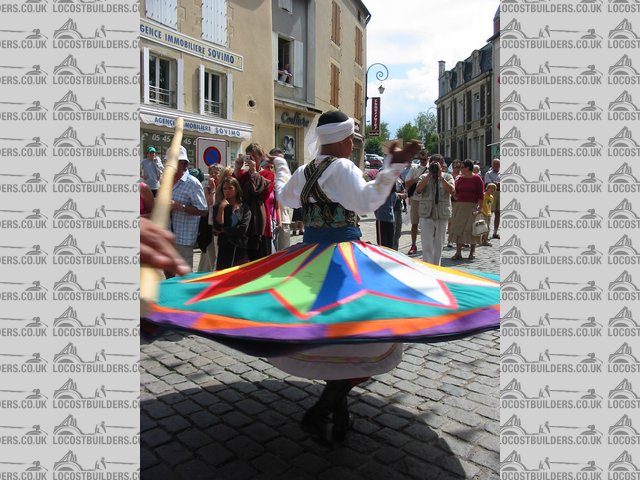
{"points": [[329, 133]]}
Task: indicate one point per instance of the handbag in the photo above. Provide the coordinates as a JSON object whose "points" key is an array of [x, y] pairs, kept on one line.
{"points": [[479, 226]]}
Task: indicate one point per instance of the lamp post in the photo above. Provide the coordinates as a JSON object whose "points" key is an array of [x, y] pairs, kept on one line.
{"points": [[436, 130], [382, 73]]}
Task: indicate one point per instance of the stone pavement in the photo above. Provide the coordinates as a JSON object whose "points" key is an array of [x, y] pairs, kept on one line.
{"points": [[209, 412]]}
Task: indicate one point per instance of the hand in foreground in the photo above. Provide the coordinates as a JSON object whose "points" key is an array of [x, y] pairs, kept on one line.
{"points": [[406, 154], [157, 249]]}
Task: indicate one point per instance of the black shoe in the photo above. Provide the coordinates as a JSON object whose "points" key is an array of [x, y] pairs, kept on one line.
{"points": [[342, 421], [316, 423]]}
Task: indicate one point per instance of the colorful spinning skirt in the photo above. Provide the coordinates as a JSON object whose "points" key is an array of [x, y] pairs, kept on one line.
{"points": [[328, 293]]}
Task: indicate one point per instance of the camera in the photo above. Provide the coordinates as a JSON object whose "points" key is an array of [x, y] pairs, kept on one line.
{"points": [[434, 168]]}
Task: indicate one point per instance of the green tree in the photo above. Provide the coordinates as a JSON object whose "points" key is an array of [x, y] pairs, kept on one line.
{"points": [[432, 144], [384, 132], [373, 145], [408, 132], [427, 124]]}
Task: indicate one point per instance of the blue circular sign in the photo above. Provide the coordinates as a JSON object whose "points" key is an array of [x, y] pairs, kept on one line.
{"points": [[211, 156]]}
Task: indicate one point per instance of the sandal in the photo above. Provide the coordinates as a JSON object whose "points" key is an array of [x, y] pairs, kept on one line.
{"points": [[457, 256]]}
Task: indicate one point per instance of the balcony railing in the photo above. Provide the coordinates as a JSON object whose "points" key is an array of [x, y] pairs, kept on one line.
{"points": [[162, 96], [213, 108]]}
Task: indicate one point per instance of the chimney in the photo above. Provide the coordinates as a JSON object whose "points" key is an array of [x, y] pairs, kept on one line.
{"points": [[441, 68]]}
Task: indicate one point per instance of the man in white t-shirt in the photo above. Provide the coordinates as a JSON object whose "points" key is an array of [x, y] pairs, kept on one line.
{"points": [[412, 177]]}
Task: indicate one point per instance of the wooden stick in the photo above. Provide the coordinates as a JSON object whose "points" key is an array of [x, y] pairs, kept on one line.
{"points": [[149, 277]]}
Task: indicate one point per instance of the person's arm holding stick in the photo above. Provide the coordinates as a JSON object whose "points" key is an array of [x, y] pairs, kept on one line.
{"points": [[149, 277]]}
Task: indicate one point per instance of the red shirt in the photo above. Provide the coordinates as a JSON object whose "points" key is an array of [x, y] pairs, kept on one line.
{"points": [[469, 189]]}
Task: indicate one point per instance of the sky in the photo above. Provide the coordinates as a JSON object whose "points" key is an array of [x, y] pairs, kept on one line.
{"points": [[410, 37]]}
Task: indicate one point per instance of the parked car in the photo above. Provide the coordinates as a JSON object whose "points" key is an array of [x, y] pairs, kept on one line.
{"points": [[373, 160]]}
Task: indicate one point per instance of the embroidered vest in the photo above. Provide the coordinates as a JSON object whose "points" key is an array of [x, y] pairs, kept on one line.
{"points": [[324, 213]]}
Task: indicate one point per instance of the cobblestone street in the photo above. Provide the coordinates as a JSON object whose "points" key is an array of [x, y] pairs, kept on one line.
{"points": [[209, 412]]}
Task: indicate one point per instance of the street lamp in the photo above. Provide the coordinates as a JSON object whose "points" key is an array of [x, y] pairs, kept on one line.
{"points": [[381, 75]]}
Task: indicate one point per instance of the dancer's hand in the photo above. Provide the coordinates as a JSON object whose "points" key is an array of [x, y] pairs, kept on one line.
{"points": [[157, 249], [406, 154]]}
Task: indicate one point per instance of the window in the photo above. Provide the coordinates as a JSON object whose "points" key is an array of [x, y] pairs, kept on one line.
{"points": [[289, 66], [459, 113], [469, 106], [483, 100], [357, 105], [476, 107], [286, 5], [335, 23], [335, 86], [163, 11], [212, 95], [285, 51], [215, 97], [162, 81], [214, 21], [359, 48]]}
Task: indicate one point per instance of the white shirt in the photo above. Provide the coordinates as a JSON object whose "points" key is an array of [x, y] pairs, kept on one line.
{"points": [[414, 173], [342, 182]]}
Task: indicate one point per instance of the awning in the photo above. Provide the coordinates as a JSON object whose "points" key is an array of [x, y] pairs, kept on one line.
{"points": [[202, 124]]}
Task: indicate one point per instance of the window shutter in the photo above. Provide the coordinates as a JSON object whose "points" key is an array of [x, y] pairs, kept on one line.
{"points": [[357, 106], [153, 9], [214, 21], [180, 84], [298, 63], [276, 54], [338, 26], [170, 13], [207, 19], [335, 23], [335, 86], [201, 88], [145, 75], [228, 100], [221, 22]]}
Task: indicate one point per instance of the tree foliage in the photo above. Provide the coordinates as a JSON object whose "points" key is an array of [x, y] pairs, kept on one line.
{"points": [[408, 132], [384, 132], [373, 145], [427, 125]]}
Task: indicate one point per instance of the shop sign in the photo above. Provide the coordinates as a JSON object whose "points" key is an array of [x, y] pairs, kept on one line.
{"points": [[296, 120], [194, 126], [208, 51]]}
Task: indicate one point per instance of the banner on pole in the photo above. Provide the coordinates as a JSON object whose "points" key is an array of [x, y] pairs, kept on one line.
{"points": [[375, 117]]}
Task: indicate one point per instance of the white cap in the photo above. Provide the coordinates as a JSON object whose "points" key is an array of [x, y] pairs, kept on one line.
{"points": [[183, 154]]}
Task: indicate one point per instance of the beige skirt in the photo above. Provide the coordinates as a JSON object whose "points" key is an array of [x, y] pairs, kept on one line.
{"points": [[336, 362], [462, 223]]}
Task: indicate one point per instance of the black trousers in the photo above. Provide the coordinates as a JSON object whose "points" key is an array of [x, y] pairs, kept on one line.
{"points": [[230, 256], [384, 233]]}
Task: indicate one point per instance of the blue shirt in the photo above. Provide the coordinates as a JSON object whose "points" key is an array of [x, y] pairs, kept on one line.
{"points": [[384, 213], [150, 174], [188, 191]]}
